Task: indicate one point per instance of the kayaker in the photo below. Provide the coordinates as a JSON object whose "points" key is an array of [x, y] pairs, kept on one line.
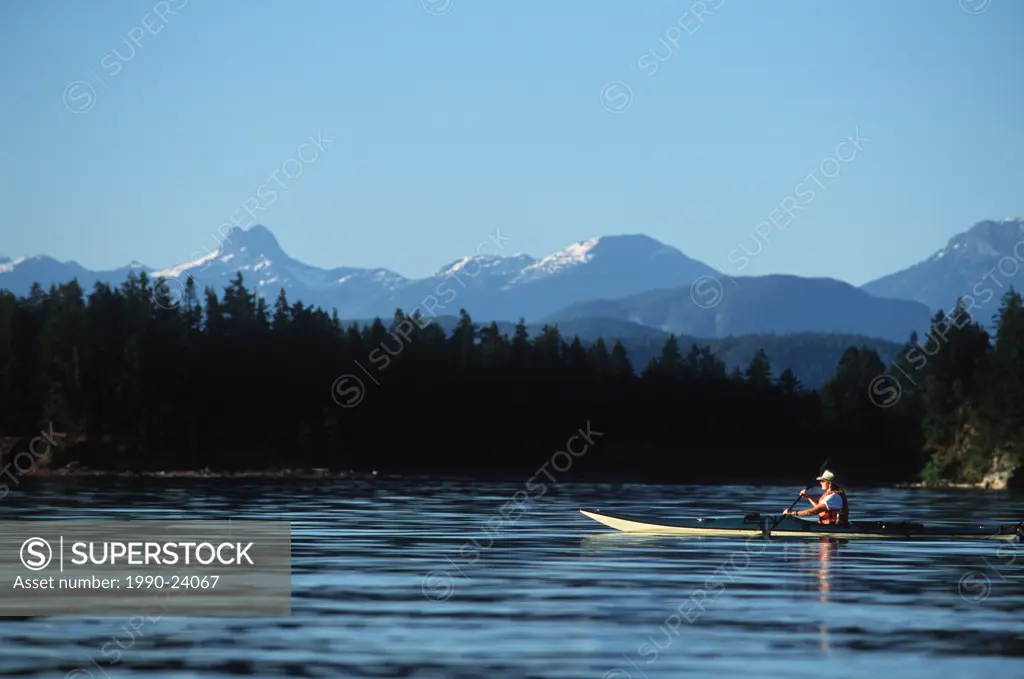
{"points": [[830, 506]]}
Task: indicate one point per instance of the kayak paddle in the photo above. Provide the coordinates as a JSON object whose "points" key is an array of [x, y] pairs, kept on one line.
{"points": [[798, 498], [783, 514]]}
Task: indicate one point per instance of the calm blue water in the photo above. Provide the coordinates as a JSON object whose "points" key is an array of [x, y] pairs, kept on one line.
{"points": [[387, 583]]}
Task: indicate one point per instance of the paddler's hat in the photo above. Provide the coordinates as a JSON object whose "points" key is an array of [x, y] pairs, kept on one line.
{"points": [[826, 476]]}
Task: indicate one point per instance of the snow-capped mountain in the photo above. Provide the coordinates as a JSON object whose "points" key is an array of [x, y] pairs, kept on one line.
{"points": [[981, 263], [266, 268], [609, 267], [519, 286], [488, 286]]}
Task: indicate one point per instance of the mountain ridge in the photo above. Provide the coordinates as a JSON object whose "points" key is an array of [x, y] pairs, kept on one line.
{"points": [[590, 277], [509, 286], [980, 263], [773, 304]]}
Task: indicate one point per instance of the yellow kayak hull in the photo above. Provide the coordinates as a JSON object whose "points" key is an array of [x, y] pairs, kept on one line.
{"points": [[775, 525]]}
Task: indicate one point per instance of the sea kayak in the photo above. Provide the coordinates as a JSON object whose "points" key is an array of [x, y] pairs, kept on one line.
{"points": [[777, 525]]}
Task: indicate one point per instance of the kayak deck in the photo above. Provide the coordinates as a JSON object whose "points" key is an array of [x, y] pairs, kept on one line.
{"points": [[776, 525]]}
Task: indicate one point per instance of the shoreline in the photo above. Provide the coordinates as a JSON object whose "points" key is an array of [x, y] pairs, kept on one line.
{"points": [[76, 471]]}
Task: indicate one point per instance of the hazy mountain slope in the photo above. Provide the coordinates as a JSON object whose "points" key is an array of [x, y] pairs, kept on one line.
{"points": [[763, 304], [982, 262]]}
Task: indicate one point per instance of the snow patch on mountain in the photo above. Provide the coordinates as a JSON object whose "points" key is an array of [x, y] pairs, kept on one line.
{"points": [[9, 265], [176, 271], [389, 279], [384, 279], [493, 264], [571, 257], [984, 248]]}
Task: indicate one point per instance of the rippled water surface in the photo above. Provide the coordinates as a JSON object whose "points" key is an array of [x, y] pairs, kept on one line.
{"points": [[388, 582]]}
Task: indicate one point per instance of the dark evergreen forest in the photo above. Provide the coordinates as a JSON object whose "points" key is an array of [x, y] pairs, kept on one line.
{"points": [[140, 382]]}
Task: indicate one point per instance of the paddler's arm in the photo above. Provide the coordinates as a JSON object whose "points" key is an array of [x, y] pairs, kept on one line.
{"points": [[811, 511]]}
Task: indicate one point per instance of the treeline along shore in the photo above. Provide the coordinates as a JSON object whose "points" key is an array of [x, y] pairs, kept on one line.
{"points": [[139, 381]]}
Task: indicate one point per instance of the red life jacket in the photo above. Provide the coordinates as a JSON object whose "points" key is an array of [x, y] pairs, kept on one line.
{"points": [[832, 515]]}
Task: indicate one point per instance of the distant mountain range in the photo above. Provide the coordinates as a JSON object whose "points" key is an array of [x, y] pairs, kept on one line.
{"points": [[490, 286], [981, 263], [18, 275], [629, 281]]}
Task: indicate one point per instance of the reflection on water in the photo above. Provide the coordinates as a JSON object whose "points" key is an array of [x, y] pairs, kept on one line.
{"points": [[827, 549], [818, 555], [550, 593]]}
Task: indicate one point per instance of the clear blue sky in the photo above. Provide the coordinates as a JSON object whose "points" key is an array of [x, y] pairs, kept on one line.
{"points": [[491, 114]]}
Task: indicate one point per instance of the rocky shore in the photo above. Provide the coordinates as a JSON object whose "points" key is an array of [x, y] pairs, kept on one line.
{"points": [[1002, 475]]}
